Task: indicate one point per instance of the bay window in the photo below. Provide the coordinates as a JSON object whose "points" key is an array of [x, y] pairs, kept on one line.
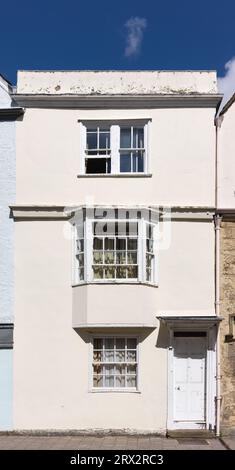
{"points": [[117, 250]]}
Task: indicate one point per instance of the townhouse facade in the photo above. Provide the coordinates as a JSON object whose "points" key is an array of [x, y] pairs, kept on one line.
{"points": [[8, 115], [115, 319], [226, 214]]}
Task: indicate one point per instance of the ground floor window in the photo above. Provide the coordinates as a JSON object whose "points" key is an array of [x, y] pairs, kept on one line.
{"points": [[115, 362]]}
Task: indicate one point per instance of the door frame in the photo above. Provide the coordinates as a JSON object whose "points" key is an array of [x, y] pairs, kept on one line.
{"points": [[210, 379]]}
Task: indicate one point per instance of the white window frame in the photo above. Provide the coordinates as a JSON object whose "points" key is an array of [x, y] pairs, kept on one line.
{"points": [[141, 254], [115, 127], [93, 389]]}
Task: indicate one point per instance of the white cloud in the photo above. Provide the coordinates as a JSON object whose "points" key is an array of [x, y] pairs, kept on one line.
{"points": [[226, 84], [135, 30]]}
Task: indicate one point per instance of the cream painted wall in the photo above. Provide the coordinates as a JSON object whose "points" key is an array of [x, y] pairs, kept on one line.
{"points": [[226, 160], [186, 284], [51, 359], [182, 159]]}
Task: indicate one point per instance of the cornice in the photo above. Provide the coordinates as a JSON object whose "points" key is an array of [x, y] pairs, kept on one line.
{"points": [[54, 212], [117, 101]]}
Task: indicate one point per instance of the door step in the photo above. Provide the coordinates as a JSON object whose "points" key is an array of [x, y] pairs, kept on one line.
{"points": [[190, 433]]}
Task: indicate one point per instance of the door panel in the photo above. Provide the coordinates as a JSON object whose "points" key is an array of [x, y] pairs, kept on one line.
{"points": [[189, 378]]}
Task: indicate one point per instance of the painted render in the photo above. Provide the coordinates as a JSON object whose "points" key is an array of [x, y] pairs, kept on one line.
{"points": [[55, 321], [182, 165], [115, 82], [7, 197], [55, 392]]}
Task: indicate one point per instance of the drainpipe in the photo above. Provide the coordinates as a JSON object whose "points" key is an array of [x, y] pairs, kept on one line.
{"points": [[217, 220], [217, 312]]}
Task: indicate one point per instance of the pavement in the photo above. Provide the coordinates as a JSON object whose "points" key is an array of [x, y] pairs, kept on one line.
{"points": [[80, 442], [229, 442]]}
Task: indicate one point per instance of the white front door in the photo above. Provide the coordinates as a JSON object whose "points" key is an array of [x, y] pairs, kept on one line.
{"points": [[189, 371]]}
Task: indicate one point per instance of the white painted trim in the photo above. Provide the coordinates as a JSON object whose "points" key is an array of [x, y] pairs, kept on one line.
{"points": [[90, 368], [115, 127], [209, 422], [82, 153], [141, 254]]}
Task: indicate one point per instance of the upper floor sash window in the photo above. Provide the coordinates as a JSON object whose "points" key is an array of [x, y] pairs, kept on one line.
{"points": [[114, 147]]}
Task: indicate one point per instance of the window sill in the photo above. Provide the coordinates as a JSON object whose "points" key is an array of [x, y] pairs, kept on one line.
{"points": [[109, 390], [116, 175], [130, 283]]}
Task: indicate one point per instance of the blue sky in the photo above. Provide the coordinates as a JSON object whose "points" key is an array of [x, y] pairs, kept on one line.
{"points": [[77, 34]]}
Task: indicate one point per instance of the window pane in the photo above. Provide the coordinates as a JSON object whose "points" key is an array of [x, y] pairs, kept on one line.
{"points": [[81, 260], [148, 275], [149, 231], [81, 274], [121, 257], [125, 138], [132, 257], [131, 381], [132, 273], [120, 369], [97, 166], [97, 356], [109, 244], [98, 243], [131, 356], [125, 163], [121, 273], [97, 381], [104, 142], [98, 257], [98, 343], [109, 381], [138, 162], [120, 343], [80, 244], [149, 260], [109, 370], [109, 343], [109, 257], [109, 273], [91, 140], [120, 356], [98, 273], [132, 243], [120, 381], [131, 369], [97, 369], [138, 137], [109, 356], [149, 245], [131, 343], [121, 244]]}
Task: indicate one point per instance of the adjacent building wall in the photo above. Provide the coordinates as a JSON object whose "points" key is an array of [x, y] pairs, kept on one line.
{"points": [[7, 196], [227, 308], [226, 160]]}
